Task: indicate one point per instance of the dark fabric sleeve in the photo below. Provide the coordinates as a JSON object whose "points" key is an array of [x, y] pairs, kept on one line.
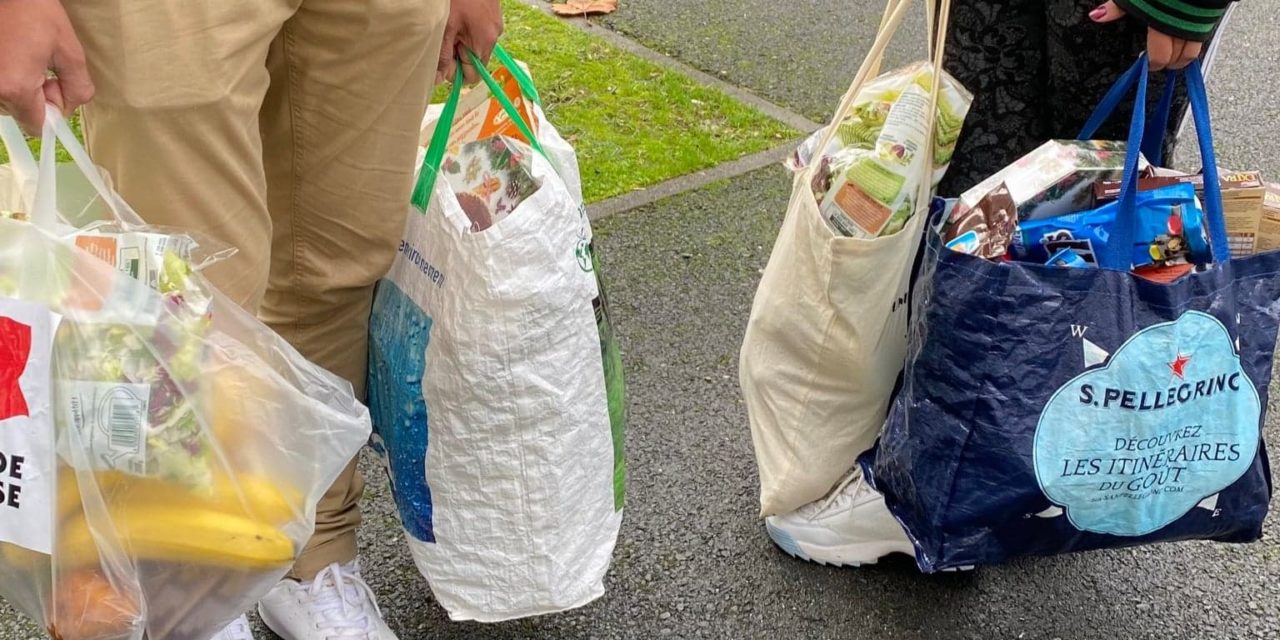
{"points": [[1189, 19]]}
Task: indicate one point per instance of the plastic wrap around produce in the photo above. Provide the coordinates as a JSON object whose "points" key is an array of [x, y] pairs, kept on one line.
{"points": [[163, 450]]}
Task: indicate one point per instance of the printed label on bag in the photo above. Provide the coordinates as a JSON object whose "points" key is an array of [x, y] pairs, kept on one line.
{"points": [[1169, 420], [110, 420], [27, 466]]}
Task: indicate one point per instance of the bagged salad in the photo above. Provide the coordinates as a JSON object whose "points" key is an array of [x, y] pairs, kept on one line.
{"points": [[867, 177], [171, 448]]}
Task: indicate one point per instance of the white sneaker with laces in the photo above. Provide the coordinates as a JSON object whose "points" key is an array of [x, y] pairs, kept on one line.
{"points": [[850, 527], [338, 603], [237, 630]]}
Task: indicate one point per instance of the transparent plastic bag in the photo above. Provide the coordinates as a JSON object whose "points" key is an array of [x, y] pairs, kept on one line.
{"points": [[175, 446]]}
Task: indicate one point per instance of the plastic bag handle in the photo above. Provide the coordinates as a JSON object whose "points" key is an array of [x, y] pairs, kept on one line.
{"points": [[1156, 129], [40, 177], [444, 125], [21, 161]]}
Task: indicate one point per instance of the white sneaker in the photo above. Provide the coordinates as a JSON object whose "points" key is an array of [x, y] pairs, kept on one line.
{"points": [[238, 630], [337, 604], [850, 527]]}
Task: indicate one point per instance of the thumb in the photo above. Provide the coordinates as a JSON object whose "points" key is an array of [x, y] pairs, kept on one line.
{"points": [[1108, 12]]}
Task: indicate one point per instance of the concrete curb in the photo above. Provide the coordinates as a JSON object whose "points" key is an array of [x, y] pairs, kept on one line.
{"points": [[688, 182]]}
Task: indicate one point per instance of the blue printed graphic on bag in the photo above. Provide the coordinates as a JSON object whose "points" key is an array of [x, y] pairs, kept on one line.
{"points": [[1132, 446], [399, 333]]}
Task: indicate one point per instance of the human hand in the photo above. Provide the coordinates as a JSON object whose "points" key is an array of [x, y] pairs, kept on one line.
{"points": [[474, 25], [38, 38], [1165, 51]]}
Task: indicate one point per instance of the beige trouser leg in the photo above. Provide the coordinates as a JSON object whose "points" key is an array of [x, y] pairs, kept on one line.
{"points": [[285, 128]]}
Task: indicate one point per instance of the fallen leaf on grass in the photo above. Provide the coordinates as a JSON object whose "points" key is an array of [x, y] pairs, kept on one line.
{"points": [[585, 7]]}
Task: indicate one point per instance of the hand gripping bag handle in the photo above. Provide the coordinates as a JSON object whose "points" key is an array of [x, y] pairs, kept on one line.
{"points": [[1119, 250], [42, 178]]}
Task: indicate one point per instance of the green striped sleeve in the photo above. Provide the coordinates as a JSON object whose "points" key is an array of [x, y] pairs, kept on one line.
{"points": [[1189, 19]]}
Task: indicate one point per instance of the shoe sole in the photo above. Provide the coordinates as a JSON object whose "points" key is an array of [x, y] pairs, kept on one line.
{"points": [[861, 555]]}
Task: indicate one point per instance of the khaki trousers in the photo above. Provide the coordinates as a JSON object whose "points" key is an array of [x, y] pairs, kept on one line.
{"points": [[284, 128]]}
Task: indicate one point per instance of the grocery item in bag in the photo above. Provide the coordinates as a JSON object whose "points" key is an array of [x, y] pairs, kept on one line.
{"points": [[868, 176], [1055, 179], [177, 447]]}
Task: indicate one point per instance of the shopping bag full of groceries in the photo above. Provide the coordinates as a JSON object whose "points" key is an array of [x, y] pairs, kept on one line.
{"points": [[161, 451], [827, 335], [1090, 357], [495, 379]]}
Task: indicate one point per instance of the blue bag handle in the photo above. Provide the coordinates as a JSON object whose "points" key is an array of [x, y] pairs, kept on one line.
{"points": [[1155, 131], [1120, 248]]}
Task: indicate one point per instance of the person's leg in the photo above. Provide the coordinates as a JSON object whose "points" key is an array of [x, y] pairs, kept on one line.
{"points": [[350, 83], [995, 48], [175, 120]]}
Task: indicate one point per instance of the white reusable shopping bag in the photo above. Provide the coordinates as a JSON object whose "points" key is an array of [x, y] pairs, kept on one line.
{"points": [[827, 335], [496, 392]]}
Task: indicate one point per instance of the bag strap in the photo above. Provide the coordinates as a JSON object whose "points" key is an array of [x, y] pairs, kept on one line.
{"points": [[1156, 129], [1120, 248], [21, 161], [889, 25], [439, 145]]}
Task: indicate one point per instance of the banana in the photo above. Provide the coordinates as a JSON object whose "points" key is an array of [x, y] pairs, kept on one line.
{"points": [[182, 534], [251, 496]]}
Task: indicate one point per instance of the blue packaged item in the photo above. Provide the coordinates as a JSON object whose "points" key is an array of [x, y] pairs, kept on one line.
{"points": [[967, 242], [1084, 409], [1068, 258], [1168, 227]]}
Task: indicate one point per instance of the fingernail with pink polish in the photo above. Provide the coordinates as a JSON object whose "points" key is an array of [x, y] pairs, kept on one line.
{"points": [[1098, 14]]}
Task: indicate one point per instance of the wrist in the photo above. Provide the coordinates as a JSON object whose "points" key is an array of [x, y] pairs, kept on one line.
{"points": [[1193, 20]]}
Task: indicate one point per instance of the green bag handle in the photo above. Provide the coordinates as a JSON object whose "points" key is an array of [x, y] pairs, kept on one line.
{"points": [[444, 126], [517, 72]]}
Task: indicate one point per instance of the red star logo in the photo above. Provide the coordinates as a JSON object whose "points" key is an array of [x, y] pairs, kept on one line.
{"points": [[15, 349], [1179, 366]]}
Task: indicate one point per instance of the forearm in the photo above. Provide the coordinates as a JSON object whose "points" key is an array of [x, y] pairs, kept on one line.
{"points": [[1188, 19]]}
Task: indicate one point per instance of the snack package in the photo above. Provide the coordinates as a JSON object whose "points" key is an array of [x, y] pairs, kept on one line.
{"points": [[490, 178], [1068, 258], [1054, 180], [481, 116], [992, 222], [1269, 223], [870, 174], [1169, 230], [1242, 198]]}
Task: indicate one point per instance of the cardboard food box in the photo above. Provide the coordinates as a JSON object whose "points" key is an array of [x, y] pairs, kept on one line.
{"points": [[1055, 179], [1269, 226], [1242, 197], [480, 116]]}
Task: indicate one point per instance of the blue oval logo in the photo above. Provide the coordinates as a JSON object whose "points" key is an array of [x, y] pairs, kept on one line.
{"points": [[1170, 420]]}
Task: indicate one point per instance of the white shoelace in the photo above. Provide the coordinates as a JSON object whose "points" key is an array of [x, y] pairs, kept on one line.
{"points": [[340, 601], [853, 484]]}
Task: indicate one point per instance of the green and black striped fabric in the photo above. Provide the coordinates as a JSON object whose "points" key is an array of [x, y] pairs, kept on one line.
{"points": [[1189, 19]]}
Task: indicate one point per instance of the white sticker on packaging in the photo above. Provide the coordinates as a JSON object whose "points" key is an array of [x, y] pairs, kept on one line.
{"points": [[27, 464], [110, 421]]}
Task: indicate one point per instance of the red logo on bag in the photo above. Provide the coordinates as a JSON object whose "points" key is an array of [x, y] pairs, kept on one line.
{"points": [[15, 349], [1179, 366]]}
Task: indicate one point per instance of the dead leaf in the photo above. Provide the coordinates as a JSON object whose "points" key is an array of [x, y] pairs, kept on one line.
{"points": [[578, 8]]}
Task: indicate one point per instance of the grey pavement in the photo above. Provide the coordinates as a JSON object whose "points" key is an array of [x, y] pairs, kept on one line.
{"points": [[693, 561]]}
